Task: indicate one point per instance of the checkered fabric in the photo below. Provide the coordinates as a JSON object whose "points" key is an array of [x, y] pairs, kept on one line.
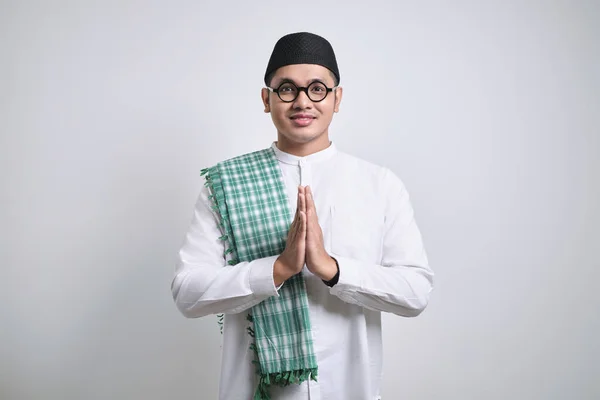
{"points": [[249, 195]]}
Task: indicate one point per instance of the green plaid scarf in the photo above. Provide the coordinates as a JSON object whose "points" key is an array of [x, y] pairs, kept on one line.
{"points": [[249, 195]]}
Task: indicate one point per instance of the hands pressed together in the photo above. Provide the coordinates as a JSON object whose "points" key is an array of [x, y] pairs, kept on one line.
{"points": [[304, 244]]}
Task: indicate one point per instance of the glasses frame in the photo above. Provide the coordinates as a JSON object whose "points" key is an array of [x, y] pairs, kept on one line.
{"points": [[302, 89]]}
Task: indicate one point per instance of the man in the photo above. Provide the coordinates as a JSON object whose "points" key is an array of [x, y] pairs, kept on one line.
{"points": [[302, 247]]}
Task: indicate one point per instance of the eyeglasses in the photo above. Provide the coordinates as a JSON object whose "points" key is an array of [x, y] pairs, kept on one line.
{"points": [[288, 92]]}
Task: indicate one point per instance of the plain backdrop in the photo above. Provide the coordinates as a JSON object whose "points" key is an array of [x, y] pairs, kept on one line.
{"points": [[487, 110]]}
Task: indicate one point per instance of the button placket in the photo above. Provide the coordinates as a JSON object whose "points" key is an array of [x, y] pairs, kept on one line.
{"points": [[305, 172]]}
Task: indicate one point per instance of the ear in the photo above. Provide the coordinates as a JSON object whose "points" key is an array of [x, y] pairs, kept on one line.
{"points": [[338, 98], [264, 94]]}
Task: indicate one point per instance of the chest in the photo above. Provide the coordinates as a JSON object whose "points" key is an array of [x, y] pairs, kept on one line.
{"points": [[349, 209]]}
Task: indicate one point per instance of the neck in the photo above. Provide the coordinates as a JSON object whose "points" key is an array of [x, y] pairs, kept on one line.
{"points": [[303, 149]]}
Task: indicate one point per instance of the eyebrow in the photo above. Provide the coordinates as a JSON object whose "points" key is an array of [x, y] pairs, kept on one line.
{"points": [[286, 79]]}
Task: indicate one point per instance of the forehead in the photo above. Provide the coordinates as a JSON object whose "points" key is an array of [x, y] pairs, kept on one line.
{"points": [[304, 74]]}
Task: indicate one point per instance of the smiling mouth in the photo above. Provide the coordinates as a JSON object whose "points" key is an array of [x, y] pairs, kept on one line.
{"points": [[302, 120]]}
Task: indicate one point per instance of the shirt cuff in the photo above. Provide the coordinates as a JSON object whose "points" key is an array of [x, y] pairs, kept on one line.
{"points": [[261, 277], [349, 279], [333, 281]]}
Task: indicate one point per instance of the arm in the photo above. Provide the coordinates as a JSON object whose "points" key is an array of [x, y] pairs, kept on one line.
{"points": [[204, 283], [403, 282]]}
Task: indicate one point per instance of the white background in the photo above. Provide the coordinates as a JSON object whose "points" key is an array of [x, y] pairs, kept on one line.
{"points": [[488, 111]]}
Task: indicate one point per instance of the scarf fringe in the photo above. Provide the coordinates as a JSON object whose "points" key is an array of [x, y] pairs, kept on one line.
{"points": [[285, 378], [215, 191], [282, 379]]}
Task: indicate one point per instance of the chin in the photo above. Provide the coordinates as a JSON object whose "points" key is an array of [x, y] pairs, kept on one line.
{"points": [[301, 136]]}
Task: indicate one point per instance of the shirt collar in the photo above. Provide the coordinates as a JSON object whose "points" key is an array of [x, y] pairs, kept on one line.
{"points": [[322, 155]]}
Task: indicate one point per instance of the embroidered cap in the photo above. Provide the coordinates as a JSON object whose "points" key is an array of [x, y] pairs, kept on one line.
{"points": [[302, 48]]}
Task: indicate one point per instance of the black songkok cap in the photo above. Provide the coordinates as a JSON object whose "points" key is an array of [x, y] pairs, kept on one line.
{"points": [[302, 48]]}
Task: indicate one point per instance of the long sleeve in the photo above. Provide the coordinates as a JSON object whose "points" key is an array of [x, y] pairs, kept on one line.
{"points": [[404, 280], [204, 283]]}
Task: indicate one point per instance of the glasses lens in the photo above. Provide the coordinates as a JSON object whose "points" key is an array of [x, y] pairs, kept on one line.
{"points": [[288, 91], [317, 91]]}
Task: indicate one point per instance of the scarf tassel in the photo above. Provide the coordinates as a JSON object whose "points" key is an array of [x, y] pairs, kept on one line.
{"points": [[282, 379]]}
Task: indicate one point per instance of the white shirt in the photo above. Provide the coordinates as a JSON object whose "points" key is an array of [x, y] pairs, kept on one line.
{"points": [[368, 226]]}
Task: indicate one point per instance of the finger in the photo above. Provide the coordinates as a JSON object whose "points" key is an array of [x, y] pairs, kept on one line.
{"points": [[302, 204], [303, 225], [294, 225], [300, 207], [302, 214], [310, 206], [309, 198], [300, 201]]}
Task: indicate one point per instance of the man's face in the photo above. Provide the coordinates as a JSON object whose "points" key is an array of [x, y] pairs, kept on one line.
{"points": [[302, 120]]}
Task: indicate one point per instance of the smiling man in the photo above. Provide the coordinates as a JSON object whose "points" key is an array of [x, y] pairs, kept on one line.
{"points": [[302, 247]]}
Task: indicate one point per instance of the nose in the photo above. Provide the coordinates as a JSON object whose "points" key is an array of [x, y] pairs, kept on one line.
{"points": [[302, 101]]}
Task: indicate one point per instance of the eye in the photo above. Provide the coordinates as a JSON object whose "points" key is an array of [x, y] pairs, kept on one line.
{"points": [[287, 88], [318, 88]]}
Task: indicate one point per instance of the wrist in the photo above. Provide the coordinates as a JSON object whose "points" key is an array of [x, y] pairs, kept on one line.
{"points": [[281, 272], [334, 280], [330, 269]]}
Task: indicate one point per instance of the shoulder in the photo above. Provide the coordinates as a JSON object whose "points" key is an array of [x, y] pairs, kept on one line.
{"points": [[258, 155], [264, 155]]}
